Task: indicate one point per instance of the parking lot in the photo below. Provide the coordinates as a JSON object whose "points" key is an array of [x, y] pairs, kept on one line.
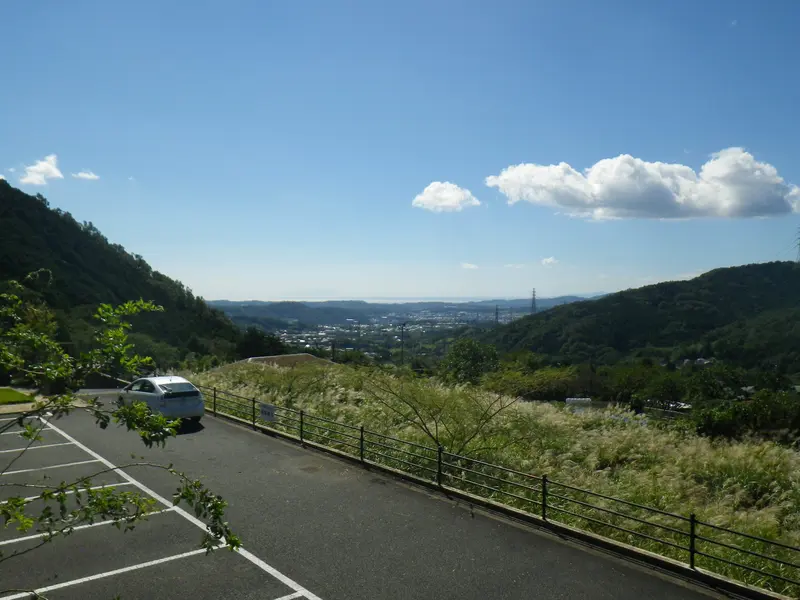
{"points": [[313, 526], [95, 560]]}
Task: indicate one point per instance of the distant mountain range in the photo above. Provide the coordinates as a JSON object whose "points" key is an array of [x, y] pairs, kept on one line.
{"points": [[278, 315], [747, 315]]}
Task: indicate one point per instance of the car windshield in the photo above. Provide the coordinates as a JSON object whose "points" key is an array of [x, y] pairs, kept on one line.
{"points": [[177, 387]]}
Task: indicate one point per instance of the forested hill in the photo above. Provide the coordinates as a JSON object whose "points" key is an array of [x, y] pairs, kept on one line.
{"points": [[744, 314], [88, 270]]}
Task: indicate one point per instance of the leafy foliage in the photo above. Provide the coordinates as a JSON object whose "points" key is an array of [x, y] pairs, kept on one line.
{"points": [[28, 349], [256, 342], [467, 361]]}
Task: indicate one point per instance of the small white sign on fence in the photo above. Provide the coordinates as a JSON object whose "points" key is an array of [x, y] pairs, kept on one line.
{"points": [[267, 412]]}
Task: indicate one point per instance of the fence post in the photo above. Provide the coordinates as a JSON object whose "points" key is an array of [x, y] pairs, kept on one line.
{"points": [[361, 444], [439, 467], [215, 402], [544, 497], [254, 414], [692, 538], [301, 426]]}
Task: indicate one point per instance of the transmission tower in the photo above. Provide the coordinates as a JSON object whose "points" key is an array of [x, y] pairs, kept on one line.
{"points": [[497, 314], [533, 302]]}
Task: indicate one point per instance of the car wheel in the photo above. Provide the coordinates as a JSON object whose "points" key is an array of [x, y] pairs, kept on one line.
{"points": [[196, 419]]}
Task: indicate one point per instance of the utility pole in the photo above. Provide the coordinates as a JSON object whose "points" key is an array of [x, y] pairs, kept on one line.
{"points": [[533, 302], [497, 314]]}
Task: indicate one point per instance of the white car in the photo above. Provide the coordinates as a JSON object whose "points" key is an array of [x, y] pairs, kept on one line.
{"points": [[173, 397]]}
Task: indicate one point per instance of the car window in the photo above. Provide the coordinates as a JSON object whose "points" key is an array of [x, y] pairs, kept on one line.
{"points": [[148, 387], [177, 387], [136, 386]]}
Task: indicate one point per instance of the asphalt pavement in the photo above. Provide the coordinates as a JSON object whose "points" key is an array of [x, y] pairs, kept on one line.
{"points": [[313, 527]]}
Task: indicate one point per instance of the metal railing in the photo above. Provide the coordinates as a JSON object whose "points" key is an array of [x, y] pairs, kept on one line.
{"points": [[757, 561]]}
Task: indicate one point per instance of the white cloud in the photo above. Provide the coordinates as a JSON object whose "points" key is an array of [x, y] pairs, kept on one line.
{"points": [[465, 265], [86, 175], [12, 170], [42, 170], [514, 266], [730, 184], [549, 261], [734, 23], [444, 197], [131, 178], [3, 178]]}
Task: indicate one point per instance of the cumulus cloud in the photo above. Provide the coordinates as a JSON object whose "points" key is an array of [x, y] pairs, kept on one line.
{"points": [[514, 266], [88, 175], [42, 170], [444, 197], [465, 265], [549, 261], [12, 170], [732, 183], [3, 178]]}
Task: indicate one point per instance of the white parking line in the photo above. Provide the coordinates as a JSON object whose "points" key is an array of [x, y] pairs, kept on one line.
{"points": [[77, 528], [20, 432], [6, 419], [192, 519], [144, 565], [291, 596], [35, 447], [72, 464], [94, 487]]}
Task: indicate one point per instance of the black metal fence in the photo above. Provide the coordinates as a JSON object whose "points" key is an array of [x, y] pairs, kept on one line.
{"points": [[750, 559]]}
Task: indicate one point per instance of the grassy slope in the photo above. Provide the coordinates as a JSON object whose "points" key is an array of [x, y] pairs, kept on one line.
{"points": [[9, 396], [751, 486]]}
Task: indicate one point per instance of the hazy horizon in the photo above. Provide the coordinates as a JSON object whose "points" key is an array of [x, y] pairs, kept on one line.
{"points": [[405, 300]]}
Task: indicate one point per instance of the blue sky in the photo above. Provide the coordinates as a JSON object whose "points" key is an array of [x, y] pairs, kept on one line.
{"points": [[270, 150]]}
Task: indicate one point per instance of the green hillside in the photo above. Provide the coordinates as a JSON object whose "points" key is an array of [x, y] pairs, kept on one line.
{"points": [[88, 270], [743, 314]]}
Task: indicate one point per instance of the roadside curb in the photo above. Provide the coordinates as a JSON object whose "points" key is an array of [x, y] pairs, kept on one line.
{"points": [[8, 409]]}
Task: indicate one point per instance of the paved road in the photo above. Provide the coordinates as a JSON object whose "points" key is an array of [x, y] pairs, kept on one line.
{"points": [[334, 530]]}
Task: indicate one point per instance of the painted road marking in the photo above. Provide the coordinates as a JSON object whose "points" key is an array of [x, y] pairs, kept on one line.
{"points": [[245, 553], [144, 565], [291, 596], [72, 464], [78, 527], [21, 431], [67, 492], [34, 447]]}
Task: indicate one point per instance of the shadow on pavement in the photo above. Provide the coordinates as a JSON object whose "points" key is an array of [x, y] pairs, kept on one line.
{"points": [[188, 426]]}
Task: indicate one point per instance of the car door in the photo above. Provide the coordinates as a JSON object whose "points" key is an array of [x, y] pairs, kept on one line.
{"points": [[148, 394], [130, 393]]}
